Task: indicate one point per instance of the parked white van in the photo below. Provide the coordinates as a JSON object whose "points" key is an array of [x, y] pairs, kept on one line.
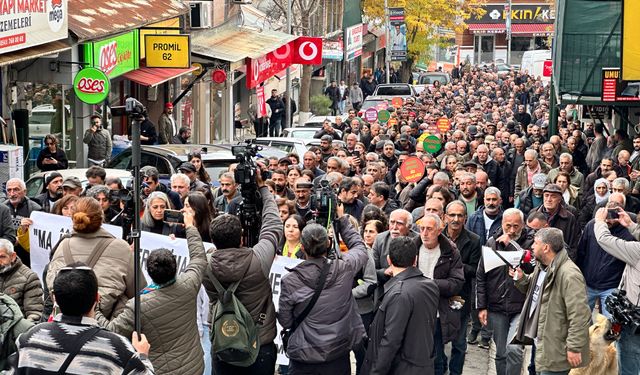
{"points": [[533, 62]]}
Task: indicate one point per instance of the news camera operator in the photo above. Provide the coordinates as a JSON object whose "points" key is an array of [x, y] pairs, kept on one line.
{"points": [[628, 252], [321, 342], [232, 262]]}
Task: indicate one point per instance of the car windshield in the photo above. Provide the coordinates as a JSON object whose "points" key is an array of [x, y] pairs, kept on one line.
{"points": [[40, 118], [371, 103], [302, 133], [431, 78], [393, 90]]}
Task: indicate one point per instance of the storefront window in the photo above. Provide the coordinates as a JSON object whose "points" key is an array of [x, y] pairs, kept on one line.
{"points": [[484, 48], [44, 102], [518, 46]]}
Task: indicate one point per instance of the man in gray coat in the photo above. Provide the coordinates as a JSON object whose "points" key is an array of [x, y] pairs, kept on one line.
{"points": [[332, 328], [401, 336]]}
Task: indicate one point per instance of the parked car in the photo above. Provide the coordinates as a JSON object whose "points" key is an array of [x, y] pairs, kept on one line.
{"points": [[216, 158], [40, 120], [298, 146], [317, 121], [303, 132], [393, 90], [426, 80], [35, 183], [373, 101]]}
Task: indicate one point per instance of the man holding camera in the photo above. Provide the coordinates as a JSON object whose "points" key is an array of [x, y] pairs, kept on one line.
{"points": [[98, 141], [628, 252], [231, 262], [321, 342]]}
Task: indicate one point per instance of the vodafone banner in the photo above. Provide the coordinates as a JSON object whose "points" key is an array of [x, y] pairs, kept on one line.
{"points": [[264, 67], [262, 102], [307, 51]]}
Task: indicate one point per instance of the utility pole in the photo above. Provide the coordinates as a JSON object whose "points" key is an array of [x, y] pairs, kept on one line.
{"points": [[508, 24], [387, 54], [287, 94]]}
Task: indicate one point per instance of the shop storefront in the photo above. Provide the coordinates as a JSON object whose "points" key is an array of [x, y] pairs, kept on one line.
{"points": [[35, 34], [486, 41], [240, 62], [353, 52]]}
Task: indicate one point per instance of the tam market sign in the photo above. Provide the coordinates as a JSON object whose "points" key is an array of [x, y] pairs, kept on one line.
{"points": [[25, 24], [114, 56]]}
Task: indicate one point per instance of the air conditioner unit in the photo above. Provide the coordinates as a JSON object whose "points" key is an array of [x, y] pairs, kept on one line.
{"points": [[201, 14]]}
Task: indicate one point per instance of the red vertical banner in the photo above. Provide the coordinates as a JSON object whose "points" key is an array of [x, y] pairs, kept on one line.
{"points": [[262, 103]]}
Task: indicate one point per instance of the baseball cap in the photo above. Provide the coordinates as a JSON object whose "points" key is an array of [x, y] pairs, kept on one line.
{"points": [[50, 177], [187, 166], [539, 181], [168, 105], [404, 137], [552, 188], [72, 182]]}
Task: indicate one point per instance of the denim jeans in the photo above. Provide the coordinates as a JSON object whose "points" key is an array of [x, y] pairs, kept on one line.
{"points": [[459, 344], [265, 364], [628, 352], [274, 127], [508, 357], [440, 364], [602, 294], [205, 341]]}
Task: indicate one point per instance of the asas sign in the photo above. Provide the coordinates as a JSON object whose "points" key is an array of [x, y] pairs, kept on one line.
{"points": [[114, 56], [26, 24], [167, 51], [91, 85]]}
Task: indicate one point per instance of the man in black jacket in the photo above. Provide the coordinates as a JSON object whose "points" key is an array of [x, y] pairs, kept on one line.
{"points": [[497, 298], [406, 319], [277, 113], [53, 192], [468, 244], [439, 260]]}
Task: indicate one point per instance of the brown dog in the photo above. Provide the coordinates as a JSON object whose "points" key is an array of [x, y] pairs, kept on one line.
{"points": [[604, 359]]}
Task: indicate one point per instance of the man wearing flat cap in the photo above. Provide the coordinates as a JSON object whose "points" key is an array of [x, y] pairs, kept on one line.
{"points": [[559, 216], [190, 170]]}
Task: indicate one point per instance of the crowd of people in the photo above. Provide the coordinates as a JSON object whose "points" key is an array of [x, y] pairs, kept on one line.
{"points": [[400, 274]]}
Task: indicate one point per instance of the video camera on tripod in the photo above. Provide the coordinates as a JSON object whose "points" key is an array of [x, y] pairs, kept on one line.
{"points": [[623, 312], [324, 205], [250, 209]]}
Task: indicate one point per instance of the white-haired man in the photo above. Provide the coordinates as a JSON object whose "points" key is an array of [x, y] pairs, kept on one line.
{"points": [[20, 282]]}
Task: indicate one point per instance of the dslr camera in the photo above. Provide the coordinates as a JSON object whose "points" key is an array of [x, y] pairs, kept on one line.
{"points": [[623, 312]]}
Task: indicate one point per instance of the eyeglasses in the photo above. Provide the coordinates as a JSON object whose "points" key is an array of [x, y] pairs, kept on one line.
{"points": [[49, 143]]}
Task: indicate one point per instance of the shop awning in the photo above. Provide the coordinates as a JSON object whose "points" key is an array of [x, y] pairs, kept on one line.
{"points": [[490, 28], [532, 28], [34, 52], [155, 76], [93, 19], [235, 44]]}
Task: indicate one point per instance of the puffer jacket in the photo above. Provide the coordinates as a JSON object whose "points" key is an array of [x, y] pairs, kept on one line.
{"points": [[254, 291], [495, 290], [12, 325], [167, 317], [23, 285], [333, 326], [114, 269]]}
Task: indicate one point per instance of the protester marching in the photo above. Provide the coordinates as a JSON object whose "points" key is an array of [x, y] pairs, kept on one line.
{"points": [[458, 216]]}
